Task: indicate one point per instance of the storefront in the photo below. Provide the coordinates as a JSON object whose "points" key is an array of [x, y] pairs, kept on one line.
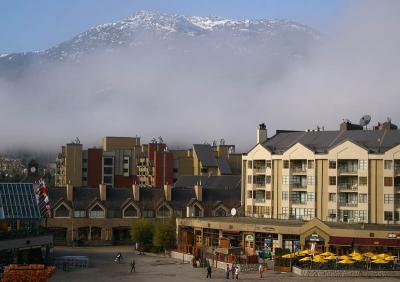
{"points": [[246, 233]]}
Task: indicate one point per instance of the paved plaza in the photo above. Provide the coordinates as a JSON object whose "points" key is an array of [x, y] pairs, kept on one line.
{"points": [[154, 268]]}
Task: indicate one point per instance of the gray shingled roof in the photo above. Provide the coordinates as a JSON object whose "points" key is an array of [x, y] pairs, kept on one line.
{"points": [[205, 155], [375, 141], [212, 182], [223, 166]]}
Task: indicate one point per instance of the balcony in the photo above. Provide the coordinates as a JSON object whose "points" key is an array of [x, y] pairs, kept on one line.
{"points": [[259, 170], [259, 200], [259, 185], [397, 170], [348, 186], [298, 186], [298, 170], [348, 204], [347, 170], [296, 202]]}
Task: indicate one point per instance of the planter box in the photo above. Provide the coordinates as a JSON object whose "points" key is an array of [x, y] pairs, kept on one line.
{"points": [[282, 268]]}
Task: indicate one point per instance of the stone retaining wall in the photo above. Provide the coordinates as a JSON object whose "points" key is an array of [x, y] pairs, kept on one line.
{"points": [[344, 273], [216, 264]]}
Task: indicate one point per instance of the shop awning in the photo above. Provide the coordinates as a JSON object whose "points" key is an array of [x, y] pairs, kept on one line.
{"points": [[340, 241], [377, 242], [348, 241]]}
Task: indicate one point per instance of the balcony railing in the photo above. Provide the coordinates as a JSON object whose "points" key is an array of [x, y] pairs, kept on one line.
{"points": [[298, 185], [298, 169], [348, 186], [259, 169], [348, 204], [348, 169], [295, 202], [259, 185], [396, 170], [259, 200]]}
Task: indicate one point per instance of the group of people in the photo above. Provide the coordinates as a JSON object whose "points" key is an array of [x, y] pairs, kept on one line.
{"points": [[233, 271]]}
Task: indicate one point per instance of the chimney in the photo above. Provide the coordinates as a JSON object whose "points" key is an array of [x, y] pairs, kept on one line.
{"points": [[198, 189], [261, 133], [70, 192], [136, 192], [103, 192], [347, 125], [168, 192]]}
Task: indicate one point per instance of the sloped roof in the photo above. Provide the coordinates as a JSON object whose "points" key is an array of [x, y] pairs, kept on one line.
{"points": [[213, 182], [375, 141], [205, 155], [17, 201], [223, 166]]}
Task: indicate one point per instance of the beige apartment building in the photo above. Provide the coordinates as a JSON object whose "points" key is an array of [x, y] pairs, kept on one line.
{"points": [[351, 175]]}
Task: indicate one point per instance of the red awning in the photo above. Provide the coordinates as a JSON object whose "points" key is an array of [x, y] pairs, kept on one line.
{"points": [[340, 241], [377, 242], [348, 241]]}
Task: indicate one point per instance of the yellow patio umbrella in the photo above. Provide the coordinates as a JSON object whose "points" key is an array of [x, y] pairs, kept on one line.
{"points": [[288, 256], [344, 257], [358, 258], [346, 261], [355, 254], [389, 258], [382, 256], [375, 257], [330, 257], [300, 254], [319, 260], [318, 257], [327, 254], [369, 254], [379, 261], [306, 252], [306, 259]]}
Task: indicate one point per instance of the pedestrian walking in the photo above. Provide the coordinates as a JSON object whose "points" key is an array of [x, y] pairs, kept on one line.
{"points": [[118, 258], [237, 272], [233, 271], [228, 271], [208, 271], [133, 263], [141, 249], [260, 270]]}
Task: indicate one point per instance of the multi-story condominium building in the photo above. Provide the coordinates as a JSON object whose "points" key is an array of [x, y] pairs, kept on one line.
{"points": [[349, 175], [120, 162]]}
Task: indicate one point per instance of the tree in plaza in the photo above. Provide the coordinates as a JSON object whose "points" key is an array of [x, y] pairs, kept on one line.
{"points": [[165, 235], [142, 231]]}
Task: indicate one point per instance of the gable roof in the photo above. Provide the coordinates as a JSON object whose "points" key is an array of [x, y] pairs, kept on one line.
{"points": [[205, 155], [212, 182], [375, 141], [223, 166]]}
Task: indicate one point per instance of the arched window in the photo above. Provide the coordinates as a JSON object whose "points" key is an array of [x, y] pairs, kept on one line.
{"points": [[220, 212], [164, 211], [197, 211], [96, 212], [61, 211], [131, 211]]}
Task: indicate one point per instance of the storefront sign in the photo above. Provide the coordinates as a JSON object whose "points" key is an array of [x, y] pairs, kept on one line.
{"points": [[249, 237], [315, 238]]}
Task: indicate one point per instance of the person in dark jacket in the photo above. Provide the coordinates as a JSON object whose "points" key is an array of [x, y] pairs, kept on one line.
{"points": [[208, 270], [133, 263]]}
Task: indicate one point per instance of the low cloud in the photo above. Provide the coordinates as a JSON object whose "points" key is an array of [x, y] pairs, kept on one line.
{"points": [[198, 92]]}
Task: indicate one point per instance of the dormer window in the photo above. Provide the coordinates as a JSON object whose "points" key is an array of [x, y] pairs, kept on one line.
{"points": [[62, 211], [197, 212], [220, 212], [130, 211], [97, 212], [163, 211]]}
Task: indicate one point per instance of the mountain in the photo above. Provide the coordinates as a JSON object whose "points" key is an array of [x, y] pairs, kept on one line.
{"points": [[279, 37]]}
